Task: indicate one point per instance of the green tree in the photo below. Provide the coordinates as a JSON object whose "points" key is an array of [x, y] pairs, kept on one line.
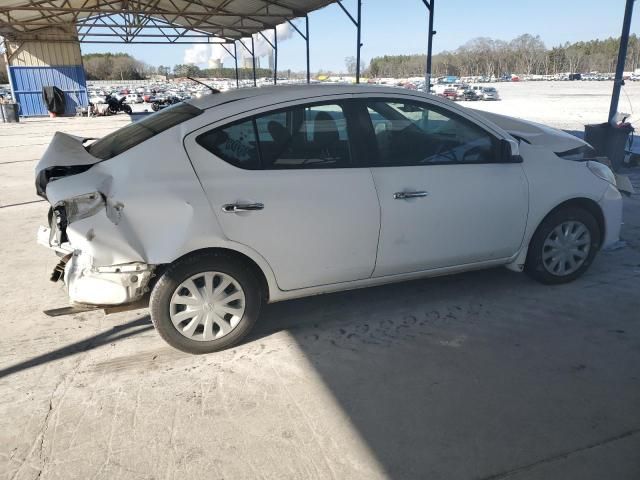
{"points": [[162, 70], [114, 66], [186, 70], [525, 54]]}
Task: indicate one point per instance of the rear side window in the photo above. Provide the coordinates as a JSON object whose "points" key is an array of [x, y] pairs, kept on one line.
{"points": [[135, 133], [235, 144], [304, 137], [313, 136]]}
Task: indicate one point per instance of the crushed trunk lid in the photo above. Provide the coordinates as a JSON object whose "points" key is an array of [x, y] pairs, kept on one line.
{"points": [[65, 155]]}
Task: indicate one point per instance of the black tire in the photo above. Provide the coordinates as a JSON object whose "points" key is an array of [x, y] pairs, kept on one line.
{"points": [[183, 269], [127, 109], [155, 106], [534, 265]]}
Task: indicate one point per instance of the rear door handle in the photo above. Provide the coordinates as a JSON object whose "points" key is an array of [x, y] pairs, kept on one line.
{"points": [[242, 207], [405, 195]]}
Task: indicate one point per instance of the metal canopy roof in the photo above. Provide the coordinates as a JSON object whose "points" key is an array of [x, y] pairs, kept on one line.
{"points": [[146, 21]]}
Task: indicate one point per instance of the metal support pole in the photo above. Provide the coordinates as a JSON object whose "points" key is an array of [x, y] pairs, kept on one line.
{"points": [[359, 42], [357, 24], [7, 61], [273, 45], [306, 18], [235, 59], [427, 75], [306, 39], [253, 59], [622, 56], [275, 56]]}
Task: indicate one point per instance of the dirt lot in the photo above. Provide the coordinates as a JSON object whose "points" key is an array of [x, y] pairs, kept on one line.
{"points": [[566, 105], [486, 375]]}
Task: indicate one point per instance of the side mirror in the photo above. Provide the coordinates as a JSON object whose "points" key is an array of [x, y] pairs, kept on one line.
{"points": [[510, 151]]}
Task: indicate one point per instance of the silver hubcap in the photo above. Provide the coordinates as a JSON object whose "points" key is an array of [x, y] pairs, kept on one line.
{"points": [[207, 306], [566, 248]]}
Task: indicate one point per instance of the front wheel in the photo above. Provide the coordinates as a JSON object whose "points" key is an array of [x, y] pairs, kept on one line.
{"points": [[205, 302], [563, 246], [127, 109]]}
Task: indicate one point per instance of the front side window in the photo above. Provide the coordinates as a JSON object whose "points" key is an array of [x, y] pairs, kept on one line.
{"points": [[408, 133]]}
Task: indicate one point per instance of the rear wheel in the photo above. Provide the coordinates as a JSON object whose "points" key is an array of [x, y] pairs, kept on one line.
{"points": [[205, 302], [563, 246]]}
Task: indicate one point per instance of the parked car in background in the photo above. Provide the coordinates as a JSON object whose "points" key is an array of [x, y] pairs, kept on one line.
{"points": [[134, 98], [477, 89], [460, 89], [217, 205], [447, 90], [490, 93], [470, 95], [162, 102]]}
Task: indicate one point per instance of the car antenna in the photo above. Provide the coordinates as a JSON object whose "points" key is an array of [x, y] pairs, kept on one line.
{"points": [[213, 90]]}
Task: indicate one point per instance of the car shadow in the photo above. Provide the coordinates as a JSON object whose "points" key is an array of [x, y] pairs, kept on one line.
{"points": [[118, 332], [477, 375]]}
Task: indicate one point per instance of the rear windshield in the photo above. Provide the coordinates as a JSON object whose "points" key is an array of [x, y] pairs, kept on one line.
{"points": [[128, 137]]}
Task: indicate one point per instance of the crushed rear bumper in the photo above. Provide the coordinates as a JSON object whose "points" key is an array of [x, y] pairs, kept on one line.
{"points": [[104, 286]]}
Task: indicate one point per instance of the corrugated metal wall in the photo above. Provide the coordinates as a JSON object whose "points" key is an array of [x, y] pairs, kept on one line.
{"points": [[27, 85], [33, 65], [42, 54]]}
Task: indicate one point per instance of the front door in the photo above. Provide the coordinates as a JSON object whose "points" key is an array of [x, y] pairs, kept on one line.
{"points": [[445, 198], [285, 184]]}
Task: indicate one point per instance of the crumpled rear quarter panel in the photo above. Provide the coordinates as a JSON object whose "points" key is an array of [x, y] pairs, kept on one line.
{"points": [[164, 212]]}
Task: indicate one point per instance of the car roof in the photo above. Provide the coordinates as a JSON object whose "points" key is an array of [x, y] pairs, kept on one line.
{"points": [[246, 100], [296, 92]]}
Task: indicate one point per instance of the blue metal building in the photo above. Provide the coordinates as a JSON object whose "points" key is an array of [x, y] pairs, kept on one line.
{"points": [[33, 65]]}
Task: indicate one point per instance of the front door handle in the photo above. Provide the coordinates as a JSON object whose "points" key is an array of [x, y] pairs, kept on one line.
{"points": [[405, 195], [242, 207]]}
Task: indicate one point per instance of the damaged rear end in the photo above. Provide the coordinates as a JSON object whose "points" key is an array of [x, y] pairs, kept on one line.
{"points": [[81, 223], [110, 205]]}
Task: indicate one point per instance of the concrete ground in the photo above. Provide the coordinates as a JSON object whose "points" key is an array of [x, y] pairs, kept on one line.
{"points": [[485, 375]]}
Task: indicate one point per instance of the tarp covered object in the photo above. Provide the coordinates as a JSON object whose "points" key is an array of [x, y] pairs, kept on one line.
{"points": [[54, 99]]}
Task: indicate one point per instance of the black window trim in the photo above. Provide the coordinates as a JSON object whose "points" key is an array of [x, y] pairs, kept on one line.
{"points": [[353, 134], [495, 140]]}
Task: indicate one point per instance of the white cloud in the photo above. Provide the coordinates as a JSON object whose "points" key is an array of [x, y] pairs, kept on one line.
{"points": [[197, 54], [201, 54]]}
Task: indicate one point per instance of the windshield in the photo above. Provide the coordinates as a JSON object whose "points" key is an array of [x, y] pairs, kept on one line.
{"points": [[135, 133]]}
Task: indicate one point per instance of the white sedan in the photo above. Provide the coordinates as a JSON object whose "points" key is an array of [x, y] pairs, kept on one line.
{"points": [[209, 208]]}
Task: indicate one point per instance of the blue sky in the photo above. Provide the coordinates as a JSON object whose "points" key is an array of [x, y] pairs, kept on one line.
{"points": [[399, 27]]}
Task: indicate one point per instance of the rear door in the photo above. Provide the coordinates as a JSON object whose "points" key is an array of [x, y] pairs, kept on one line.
{"points": [[287, 183]]}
